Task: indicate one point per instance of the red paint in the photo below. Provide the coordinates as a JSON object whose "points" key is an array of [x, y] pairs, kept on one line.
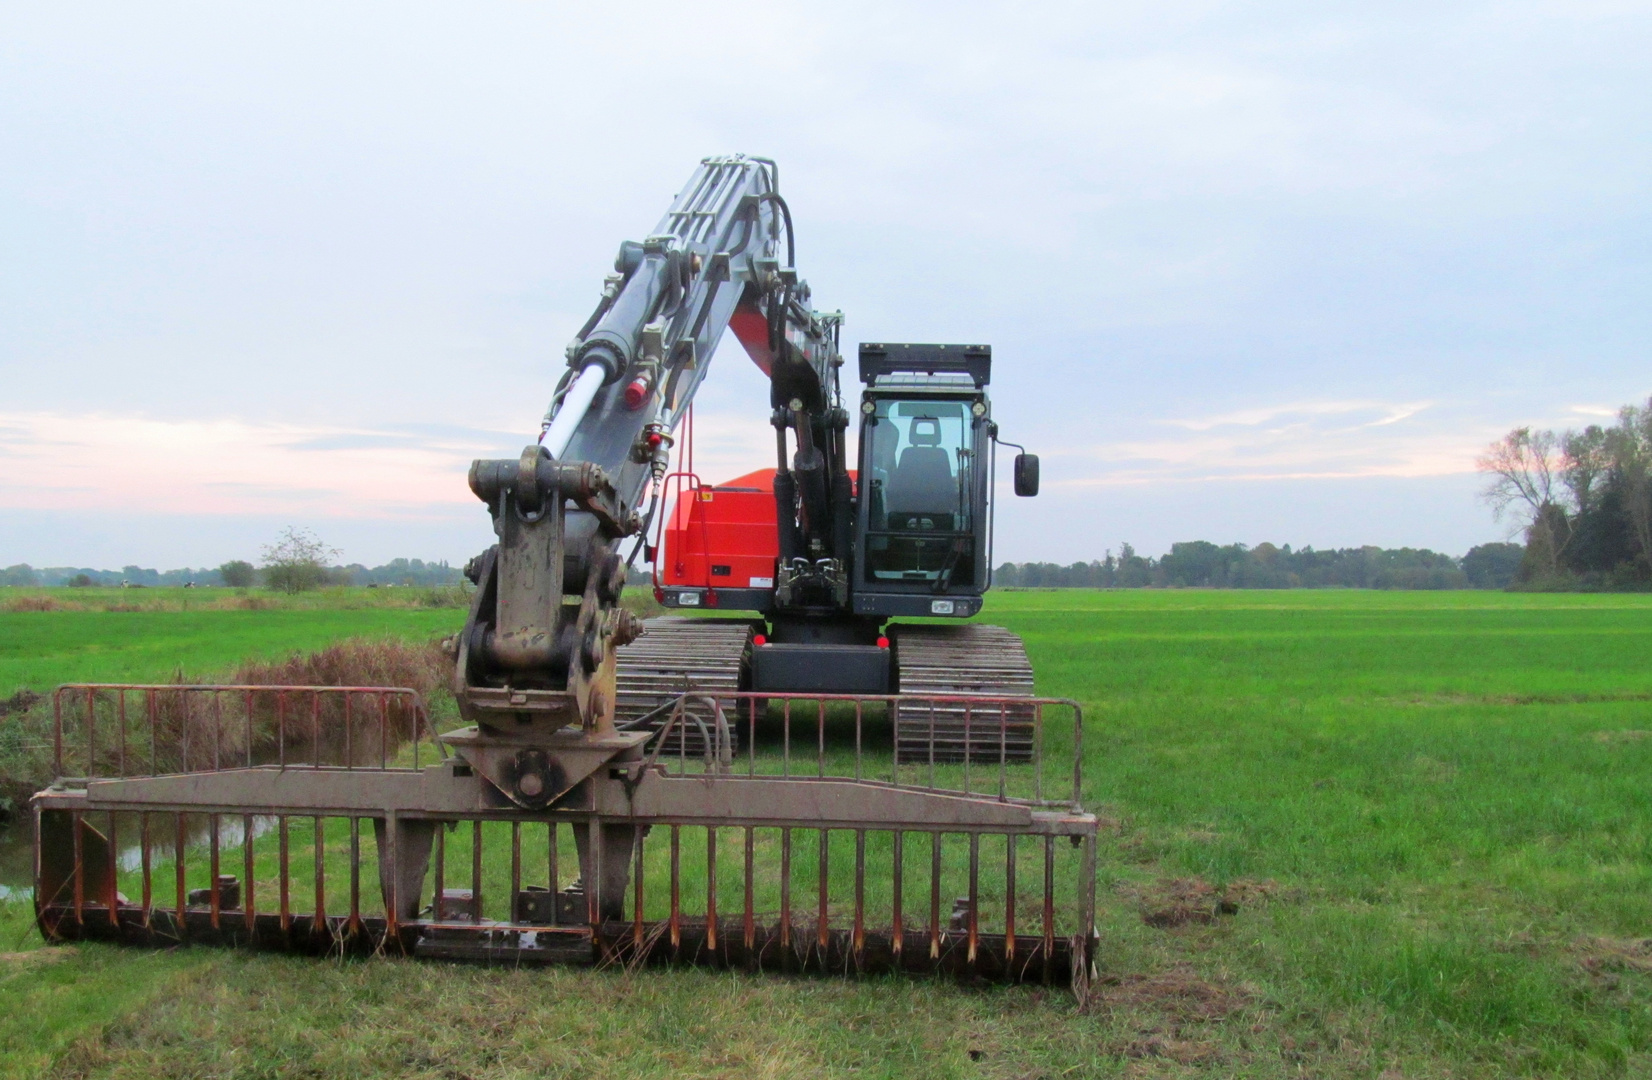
{"points": [[751, 326], [731, 525]]}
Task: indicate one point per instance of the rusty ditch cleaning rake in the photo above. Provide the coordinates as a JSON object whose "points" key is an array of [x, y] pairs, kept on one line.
{"points": [[235, 815]]}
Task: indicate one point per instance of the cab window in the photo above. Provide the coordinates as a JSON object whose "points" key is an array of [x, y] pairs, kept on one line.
{"points": [[920, 461]]}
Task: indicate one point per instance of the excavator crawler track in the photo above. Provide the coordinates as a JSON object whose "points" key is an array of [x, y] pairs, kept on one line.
{"points": [[974, 660], [677, 655]]}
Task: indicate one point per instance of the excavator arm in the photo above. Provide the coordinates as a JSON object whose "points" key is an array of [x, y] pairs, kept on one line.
{"points": [[538, 646]]}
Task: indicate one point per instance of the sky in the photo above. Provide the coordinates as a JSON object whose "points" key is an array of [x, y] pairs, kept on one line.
{"points": [[1271, 271]]}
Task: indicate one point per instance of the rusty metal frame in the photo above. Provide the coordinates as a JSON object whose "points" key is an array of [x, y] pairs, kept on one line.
{"points": [[629, 823]]}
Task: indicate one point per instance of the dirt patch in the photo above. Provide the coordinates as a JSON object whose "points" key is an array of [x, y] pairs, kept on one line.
{"points": [[1181, 1051], [1605, 956], [1180, 993], [1184, 901], [1176, 1009], [20, 702]]}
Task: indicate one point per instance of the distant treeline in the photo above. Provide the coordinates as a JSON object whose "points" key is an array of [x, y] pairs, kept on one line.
{"points": [[394, 572], [1200, 564]]}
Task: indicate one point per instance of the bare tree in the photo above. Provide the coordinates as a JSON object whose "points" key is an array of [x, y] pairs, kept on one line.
{"points": [[1630, 446], [1526, 469], [297, 561]]}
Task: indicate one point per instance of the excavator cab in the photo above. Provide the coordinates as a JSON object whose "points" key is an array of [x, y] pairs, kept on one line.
{"points": [[926, 443]]}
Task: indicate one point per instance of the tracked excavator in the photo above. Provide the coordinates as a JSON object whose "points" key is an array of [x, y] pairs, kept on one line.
{"points": [[781, 706], [822, 560]]}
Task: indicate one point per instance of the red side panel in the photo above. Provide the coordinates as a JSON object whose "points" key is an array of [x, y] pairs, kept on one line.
{"points": [[723, 537]]}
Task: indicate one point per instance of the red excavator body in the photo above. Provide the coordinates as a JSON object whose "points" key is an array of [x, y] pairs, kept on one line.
{"points": [[724, 537]]}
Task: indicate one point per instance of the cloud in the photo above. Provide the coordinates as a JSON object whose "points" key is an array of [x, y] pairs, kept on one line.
{"points": [[1382, 412], [1290, 441], [56, 461], [95, 461]]}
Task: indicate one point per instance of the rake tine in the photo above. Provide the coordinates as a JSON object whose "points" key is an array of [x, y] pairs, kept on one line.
{"points": [[282, 858], [319, 926], [785, 888], [212, 879], [148, 886], [751, 921], [355, 874], [516, 868], [1009, 898], [178, 873], [1049, 903], [899, 933], [711, 889], [821, 928], [553, 877], [476, 870], [441, 870], [248, 904], [593, 881], [858, 941], [676, 890], [637, 897], [935, 896]]}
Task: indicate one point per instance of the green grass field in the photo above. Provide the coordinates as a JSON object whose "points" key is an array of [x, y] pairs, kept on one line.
{"points": [[117, 635], [1352, 835]]}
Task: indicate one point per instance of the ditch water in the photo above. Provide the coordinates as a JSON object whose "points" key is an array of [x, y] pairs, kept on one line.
{"points": [[17, 848], [17, 860]]}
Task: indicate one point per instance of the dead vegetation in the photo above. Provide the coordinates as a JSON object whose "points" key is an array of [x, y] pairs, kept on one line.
{"points": [[19, 703], [30, 603], [418, 666], [1194, 901], [1603, 956]]}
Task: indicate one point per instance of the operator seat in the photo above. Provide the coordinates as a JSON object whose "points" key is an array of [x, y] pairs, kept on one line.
{"points": [[922, 482]]}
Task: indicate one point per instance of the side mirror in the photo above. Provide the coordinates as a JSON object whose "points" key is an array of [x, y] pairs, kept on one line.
{"points": [[1026, 474]]}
